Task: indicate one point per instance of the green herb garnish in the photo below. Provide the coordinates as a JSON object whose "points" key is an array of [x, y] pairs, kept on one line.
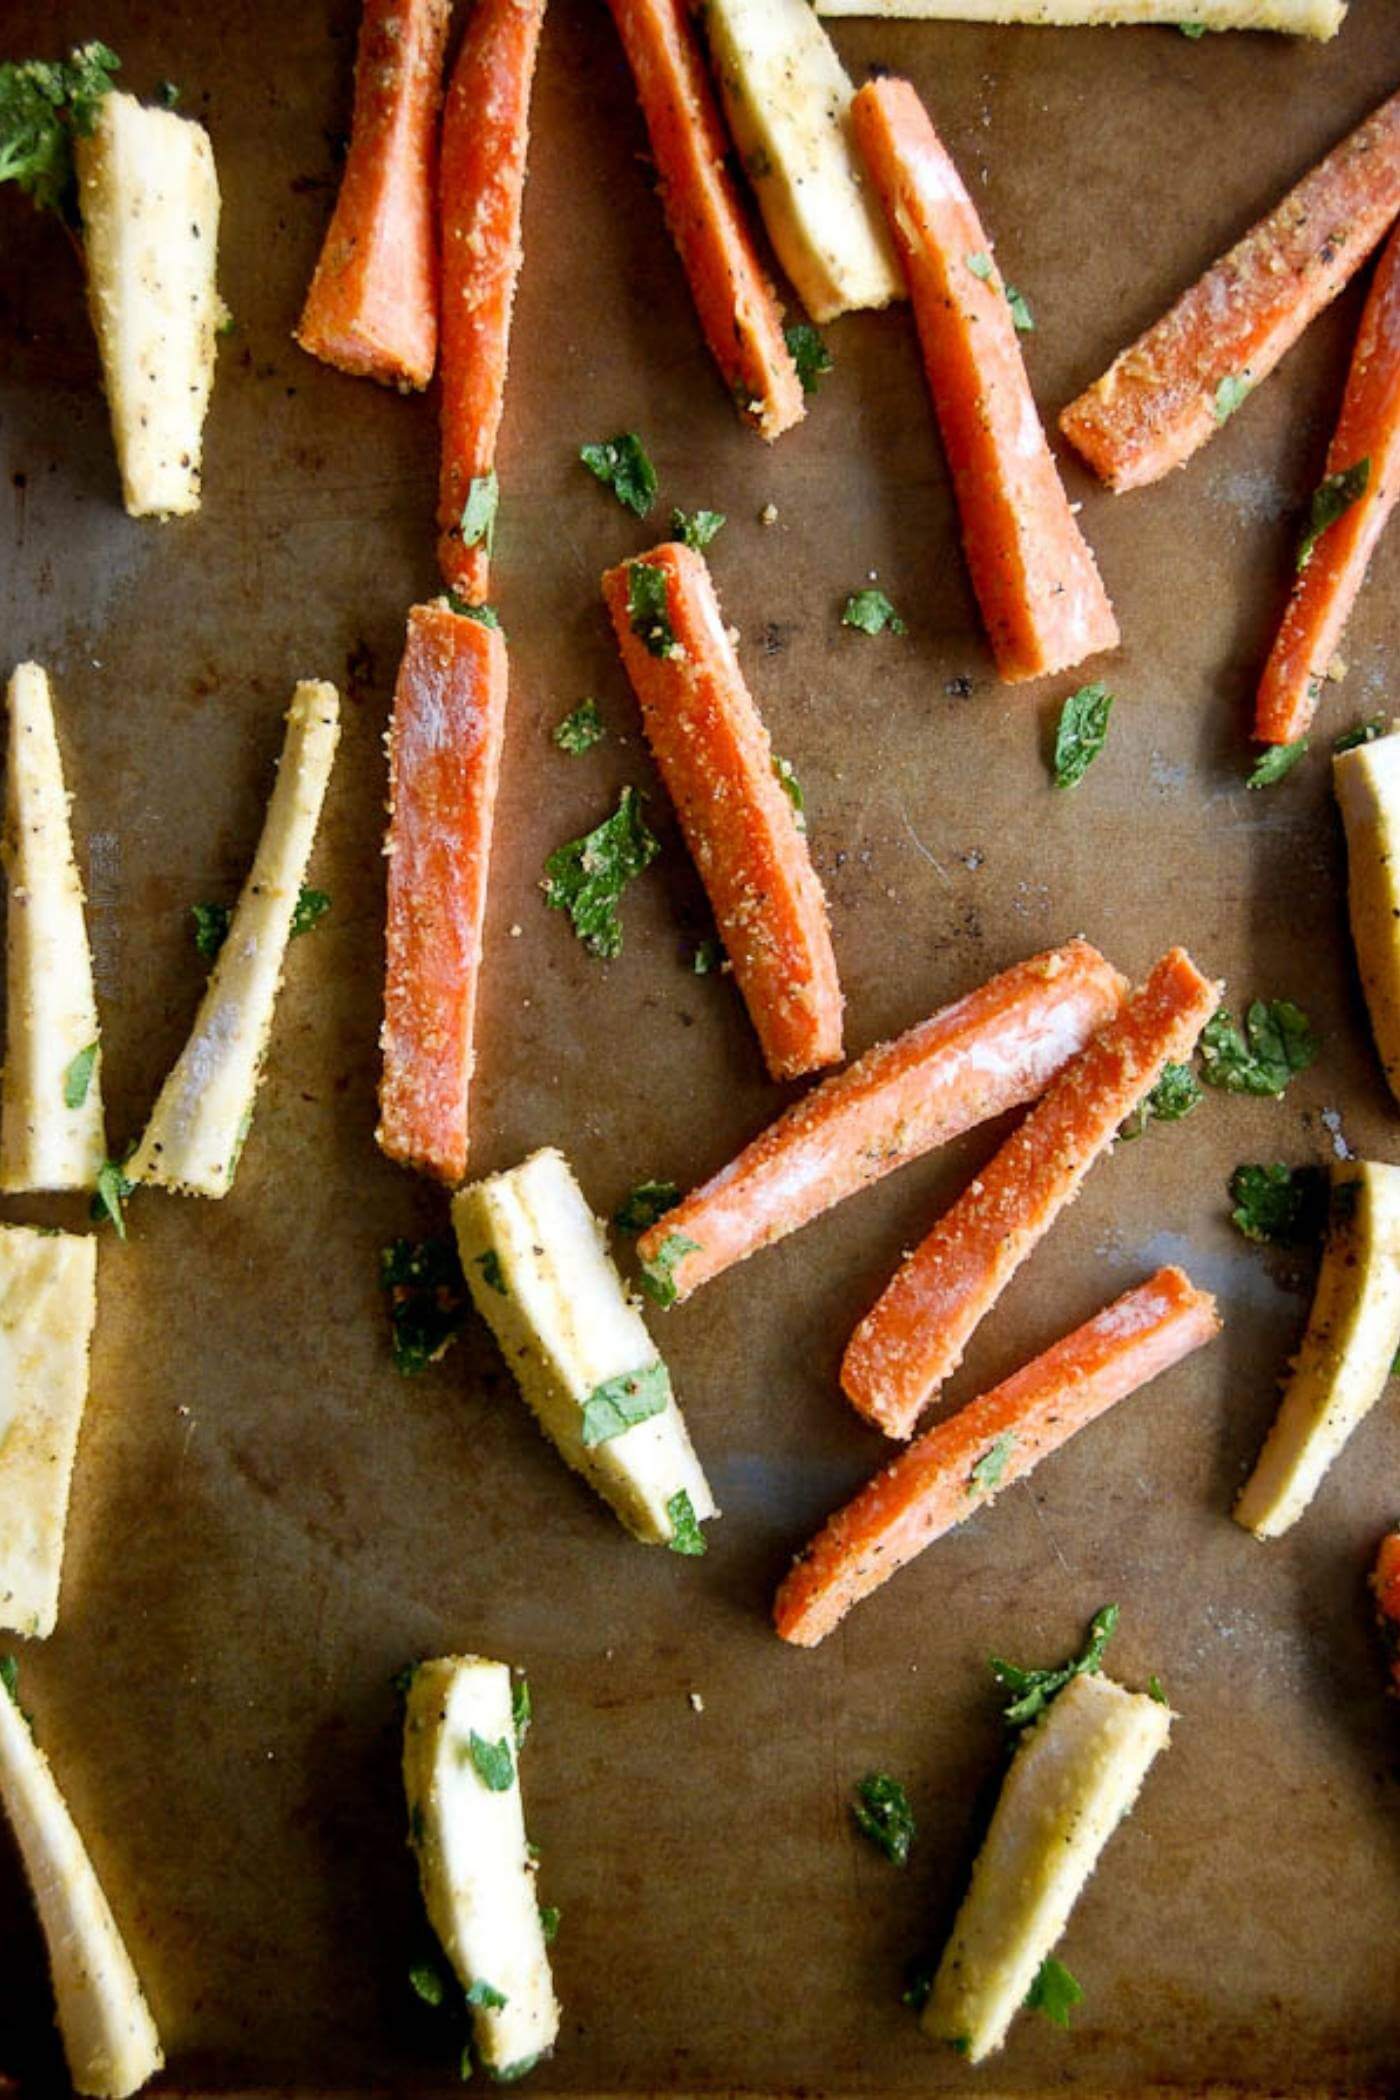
{"points": [[492, 1274], [809, 353], [1363, 733], [522, 1709], [77, 1077], [686, 1535], [427, 1299], [493, 1763], [708, 956], [791, 786], [112, 1190], [9, 1676], [1278, 1205], [484, 615], [644, 1204], [580, 730], [1175, 1095], [1032, 1690], [986, 1473], [1276, 1042], [1054, 1992], [308, 911], [980, 265], [549, 1922], [508, 2074], [1332, 498], [882, 1813], [1022, 319], [696, 528], [586, 877], [1154, 1690], [211, 923], [657, 1278], [485, 1995], [1194, 30], [621, 464], [43, 108], [649, 607], [872, 612], [479, 512], [1273, 764], [167, 94], [1229, 394], [620, 1403], [428, 1983], [1081, 733]]}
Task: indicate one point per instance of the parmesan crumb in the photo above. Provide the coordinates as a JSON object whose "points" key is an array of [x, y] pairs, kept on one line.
{"points": [[697, 1703], [769, 514]]}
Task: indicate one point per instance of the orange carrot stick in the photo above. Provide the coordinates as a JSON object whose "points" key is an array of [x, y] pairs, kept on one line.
{"points": [[372, 306], [444, 763], [914, 1336], [485, 136], [960, 1466], [715, 758], [1169, 391], [738, 312], [1385, 1581], [1042, 599], [1326, 589], [992, 1050]]}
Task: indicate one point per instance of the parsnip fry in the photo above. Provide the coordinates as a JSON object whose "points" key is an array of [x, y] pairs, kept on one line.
{"points": [[48, 1302]]}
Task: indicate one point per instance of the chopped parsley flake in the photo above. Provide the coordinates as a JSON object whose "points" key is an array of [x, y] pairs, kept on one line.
{"points": [[1278, 1205], [1081, 733], [509, 2074], [486, 1995], [211, 922], [1022, 319], [1154, 1690], [1054, 1992], [986, 1473], [167, 94], [586, 877], [1229, 394], [980, 265], [809, 353], [1276, 1042], [1276, 762], [1332, 498], [792, 787], [492, 1274], [77, 1077], [549, 1922], [522, 1709], [622, 465], [696, 528], [1363, 733], [484, 615], [649, 607], [309, 910], [112, 1190], [644, 1204], [581, 729], [872, 612], [427, 1982], [620, 1403], [686, 1535], [1176, 1094], [881, 1812], [43, 108], [658, 1279], [493, 1763], [427, 1299], [9, 1676], [708, 956], [479, 512], [1032, 1690]]}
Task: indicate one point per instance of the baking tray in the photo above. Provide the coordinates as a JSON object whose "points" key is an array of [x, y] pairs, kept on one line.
{"points": [[268, 1522]]}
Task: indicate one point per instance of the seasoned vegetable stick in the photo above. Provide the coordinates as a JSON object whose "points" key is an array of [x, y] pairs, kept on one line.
{"points": [[149, 199], [788, 102], [202, 1114], [51, 1132], [485, 138], [961, 1465], [109, 2037], [444, 765], [994, 1049], [537, 1264], [372, 307], [466, 1823], [1385, 1582], [1172, 389], [1040, 592], [48, 1303], [1315, 18], [914, 1336], [1360, 484], [738, 313], [709, 741], [1347, 1353], [1367, 783], [1076, 1774]]}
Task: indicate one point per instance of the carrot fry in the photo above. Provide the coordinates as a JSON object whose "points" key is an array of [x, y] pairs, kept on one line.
{"points": [[1041, 596], [737, 308], [1366, 445], [743, 833], [485, 137], [960, 1466], [1169, 391], [914, 1336], [993, 1049], [444, 763], [1385, 1581], [372, 306]]}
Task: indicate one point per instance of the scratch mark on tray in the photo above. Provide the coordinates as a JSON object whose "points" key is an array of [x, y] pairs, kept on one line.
{"points": [[920, 848], [1049, 1534]]}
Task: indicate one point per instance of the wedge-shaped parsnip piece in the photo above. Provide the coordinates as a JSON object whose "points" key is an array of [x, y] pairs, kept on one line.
{"points": [[1367, 782], [109, 2036], [1319, 18], [788, 102], [51, 1133], [149, 199], [48, 1302], [203, 1111], [1347, 1353], [467, 1826], [1075, 1775], [537, 1263]]}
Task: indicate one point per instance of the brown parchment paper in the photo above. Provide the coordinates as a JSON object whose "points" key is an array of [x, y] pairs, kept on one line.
{"points": [[268, 1522]]}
